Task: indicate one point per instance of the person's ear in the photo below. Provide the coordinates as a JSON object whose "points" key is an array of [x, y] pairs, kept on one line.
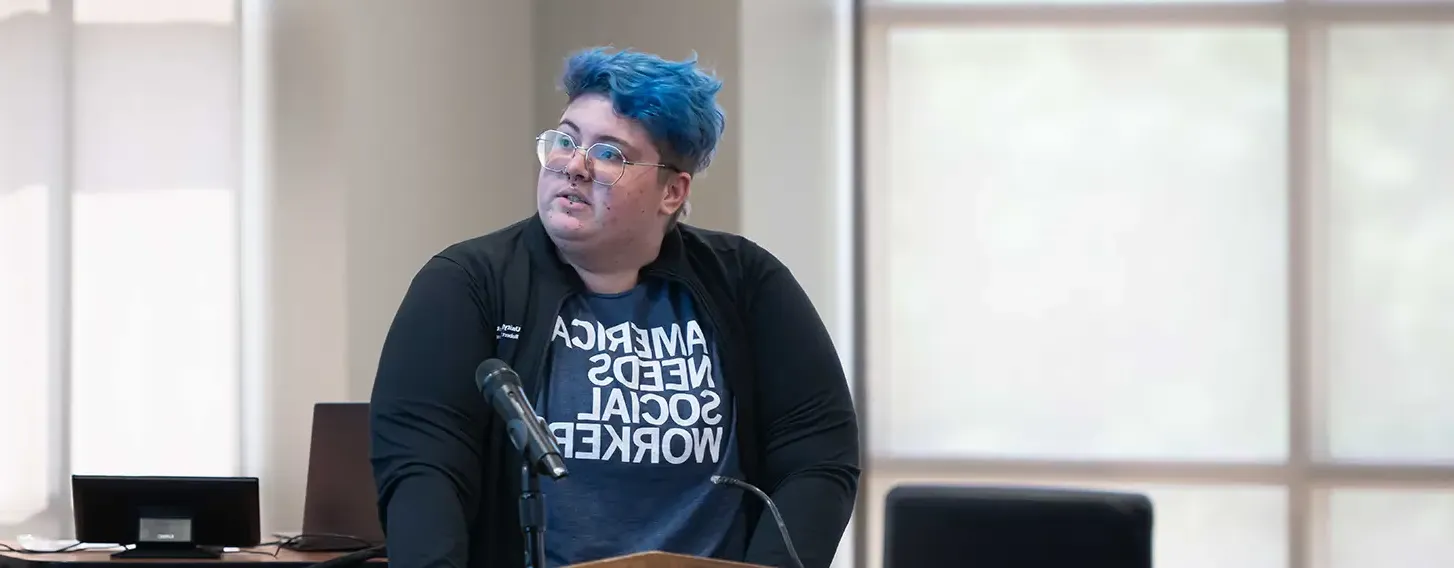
{"points": [[678, 189]]}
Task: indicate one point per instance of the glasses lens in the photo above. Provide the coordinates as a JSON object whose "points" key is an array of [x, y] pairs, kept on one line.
{"points": [[555, 150], [607, 162]]}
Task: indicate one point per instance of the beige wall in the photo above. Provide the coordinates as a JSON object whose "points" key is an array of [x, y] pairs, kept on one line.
{"points": [[793, 139], [437, 145], [295, 332], [393, 129]]}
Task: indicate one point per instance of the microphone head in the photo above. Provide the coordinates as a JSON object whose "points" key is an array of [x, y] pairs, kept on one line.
{"points": [[489, 374], [719, 480]]}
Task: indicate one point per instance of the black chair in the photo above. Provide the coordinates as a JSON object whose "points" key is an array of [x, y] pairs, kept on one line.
{"points": [[1015, 527]]}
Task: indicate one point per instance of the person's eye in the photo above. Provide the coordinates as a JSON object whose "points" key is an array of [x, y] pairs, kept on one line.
{"points": [[608, 153], [565, 142]]}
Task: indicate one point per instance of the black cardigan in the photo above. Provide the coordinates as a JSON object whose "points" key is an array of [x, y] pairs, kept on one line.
{"points": [[447, 475]]}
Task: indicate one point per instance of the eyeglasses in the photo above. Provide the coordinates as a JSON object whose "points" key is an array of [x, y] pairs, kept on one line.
{"points": [[605, 162]]}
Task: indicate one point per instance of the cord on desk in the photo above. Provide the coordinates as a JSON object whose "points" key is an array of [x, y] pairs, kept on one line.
{"points": [[78, 547], [273, 554], [354, 558], [74, 547], [300, 543], [297, 543], [291, 543]]}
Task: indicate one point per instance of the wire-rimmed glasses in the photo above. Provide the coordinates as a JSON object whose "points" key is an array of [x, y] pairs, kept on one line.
{"points": [[605, 162]]}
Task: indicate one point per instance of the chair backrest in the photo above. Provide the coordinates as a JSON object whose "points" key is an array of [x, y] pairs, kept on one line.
{"points": [[1015, 527]]}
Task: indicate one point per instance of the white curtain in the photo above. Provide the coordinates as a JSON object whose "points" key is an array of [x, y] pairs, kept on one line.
{"points": [[119, 319]]}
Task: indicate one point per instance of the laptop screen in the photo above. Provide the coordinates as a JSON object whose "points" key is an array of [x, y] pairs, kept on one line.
{"points": [[340, 498]]}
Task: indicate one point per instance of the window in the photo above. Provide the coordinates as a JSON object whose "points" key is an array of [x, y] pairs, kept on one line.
{"points": [[1388, 227], [1197, 250], [118, 246]]}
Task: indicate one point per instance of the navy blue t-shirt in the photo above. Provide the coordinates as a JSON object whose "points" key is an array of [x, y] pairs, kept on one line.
{"points": [[637, 403]]}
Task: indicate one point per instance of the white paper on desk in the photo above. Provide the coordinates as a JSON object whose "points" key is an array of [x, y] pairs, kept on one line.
{"points": [[32, 542]]}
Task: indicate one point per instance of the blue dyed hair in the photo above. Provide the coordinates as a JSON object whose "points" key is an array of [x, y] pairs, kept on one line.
{"points": [[676, 101]]}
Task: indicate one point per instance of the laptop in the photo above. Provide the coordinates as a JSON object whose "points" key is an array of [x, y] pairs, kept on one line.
{"points": [[340, 510]]}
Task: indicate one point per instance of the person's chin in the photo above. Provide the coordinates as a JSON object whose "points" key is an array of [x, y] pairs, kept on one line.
{"points": [[563, 224]]}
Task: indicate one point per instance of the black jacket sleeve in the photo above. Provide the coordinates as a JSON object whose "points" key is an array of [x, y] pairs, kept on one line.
{"points": [[809, 426], [427, 419]]}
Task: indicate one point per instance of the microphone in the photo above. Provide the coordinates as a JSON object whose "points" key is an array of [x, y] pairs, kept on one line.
{"points": [[782, 528], [501, 388]]}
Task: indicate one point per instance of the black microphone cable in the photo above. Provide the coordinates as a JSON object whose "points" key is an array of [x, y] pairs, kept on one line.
{"points": [[782, 528], [353, 558]]}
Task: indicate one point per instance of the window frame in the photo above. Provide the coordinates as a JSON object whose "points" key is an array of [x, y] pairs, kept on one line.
{"points": [[1304, 475]]}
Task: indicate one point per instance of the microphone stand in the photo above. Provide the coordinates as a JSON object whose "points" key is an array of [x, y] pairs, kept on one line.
{"points": [[532, 515]]}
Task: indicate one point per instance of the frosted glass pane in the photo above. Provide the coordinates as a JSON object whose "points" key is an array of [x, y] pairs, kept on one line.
{"points": [[154, 11], [1391, 244], [1386, 1], [31, 69], [155, 334], [1379, 528], [1194, 526], [1217, 527], [25, 352], [1086, 246], [1067, 2], [155, 262], [156, 106], [32, 73], [10, 8]]}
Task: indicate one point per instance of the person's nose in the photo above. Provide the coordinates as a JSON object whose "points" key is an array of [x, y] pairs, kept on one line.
{"points": [[578, 170]]}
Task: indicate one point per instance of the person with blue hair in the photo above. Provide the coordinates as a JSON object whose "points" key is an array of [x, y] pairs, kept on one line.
{"points": [[662, 358]]}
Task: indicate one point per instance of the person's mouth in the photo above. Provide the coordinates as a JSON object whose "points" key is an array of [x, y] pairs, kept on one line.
{"points": [[573, 197]]}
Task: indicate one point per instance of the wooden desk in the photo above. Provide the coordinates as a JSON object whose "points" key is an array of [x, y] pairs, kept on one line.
{"points": [[260, 557]]}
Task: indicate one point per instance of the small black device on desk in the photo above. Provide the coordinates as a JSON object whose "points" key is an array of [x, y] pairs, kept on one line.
{"points": [[167, 517]]}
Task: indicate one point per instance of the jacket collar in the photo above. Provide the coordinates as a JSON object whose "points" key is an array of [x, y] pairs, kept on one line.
{"points": [[671, 260]]}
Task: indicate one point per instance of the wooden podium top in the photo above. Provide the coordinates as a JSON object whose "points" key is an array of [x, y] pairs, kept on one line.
{"points": [[662, 560]]}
